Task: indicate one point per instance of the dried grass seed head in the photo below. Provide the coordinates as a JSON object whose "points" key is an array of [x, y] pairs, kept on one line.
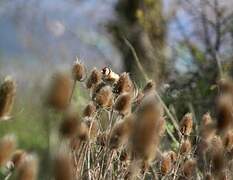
{"points": [[123, 104], [94, 78], [60, 91], [28, 169], [7, 97], [78, 71], [124, 84], [7, 147], [186, 124]]}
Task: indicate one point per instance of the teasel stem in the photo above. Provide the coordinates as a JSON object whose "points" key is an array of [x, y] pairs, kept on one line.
{"points": [[178, 158], [72, 92], [156, 93]]}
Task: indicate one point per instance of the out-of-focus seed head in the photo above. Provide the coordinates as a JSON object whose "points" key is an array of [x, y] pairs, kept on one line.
{"points": [[208, 176], [123, 104], [121, 132], [7, 97], [60, 91], [188, 168], [78, 71], [7, 147], [149, 87], [186, 124], [225, 85], [145, 136], [224, 112], [89, 110], [63, 166], [94, 78], [18, 157], [166, 164], [104, 96], [124, 84], [28, 169], [70, 124], [186, 147], [228, 141]]}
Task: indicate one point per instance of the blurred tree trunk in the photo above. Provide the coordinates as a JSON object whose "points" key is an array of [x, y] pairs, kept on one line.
{"points": [[141, 23]]}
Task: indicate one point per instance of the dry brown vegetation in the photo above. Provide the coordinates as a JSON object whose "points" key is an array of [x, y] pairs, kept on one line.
{"points": [[121, 133]]}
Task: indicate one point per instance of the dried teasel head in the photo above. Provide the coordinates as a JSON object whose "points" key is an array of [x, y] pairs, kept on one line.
{"points": [[206, 119], [94, 78], [103, 97], [60, 91], [70, 125], [78, 71], [7, 147], [172, 155], [7, 97], [121, 132], [124, 84], [224, 112], [188, 168], [89, 110], [186, 147], [62, 166], [145, 137], [92, 128], [18, 157], [28, 169], [83, 132], [186, 124], [166, 164], [208, 129], [123, 104]]}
